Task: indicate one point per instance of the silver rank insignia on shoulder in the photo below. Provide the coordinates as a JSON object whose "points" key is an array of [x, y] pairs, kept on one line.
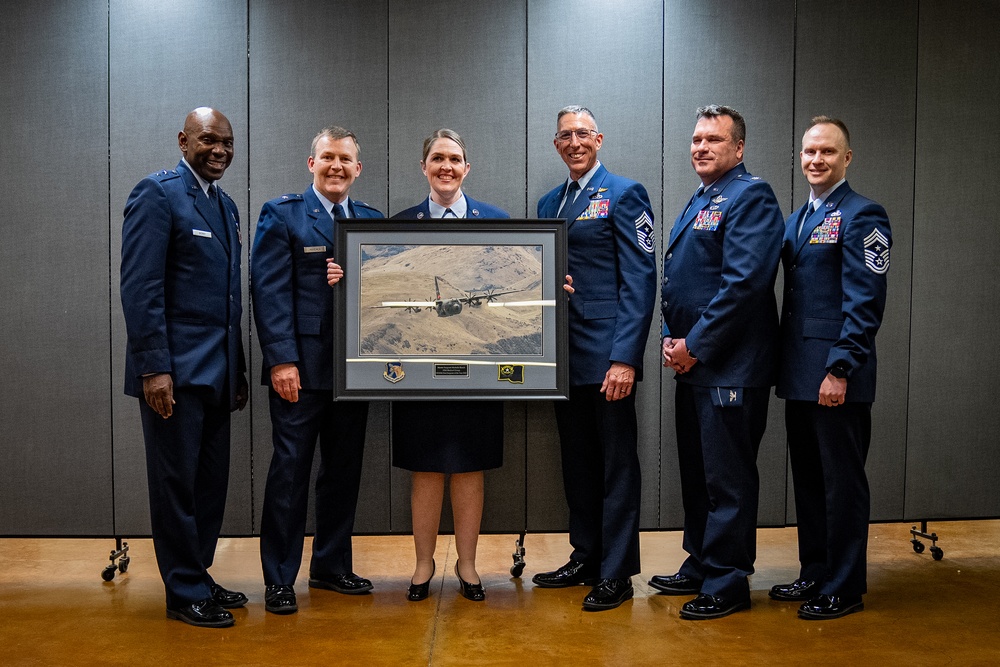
{"points": [[720, 199], [755, 178], [394, 371]]}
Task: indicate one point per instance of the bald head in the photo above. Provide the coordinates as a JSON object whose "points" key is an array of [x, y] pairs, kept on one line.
{"points": [[207, 142]]}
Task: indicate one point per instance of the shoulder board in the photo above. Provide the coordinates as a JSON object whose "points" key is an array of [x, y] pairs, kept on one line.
{"points": [[284, 199], [224, 193], [748, 178], [165, 175], [358, 202]]}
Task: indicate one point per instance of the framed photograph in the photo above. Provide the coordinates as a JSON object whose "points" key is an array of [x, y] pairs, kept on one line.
{"points": [[450, 309]]}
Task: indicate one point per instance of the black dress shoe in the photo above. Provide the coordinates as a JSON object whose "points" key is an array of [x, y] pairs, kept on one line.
{"points": [[204, 614], [418, 592], [706, 607], [608, 594], [280, 599], [227, 599], [675, 584], [799, 590], [348, 584], [572, 573], [469, 591], [823, 607]]}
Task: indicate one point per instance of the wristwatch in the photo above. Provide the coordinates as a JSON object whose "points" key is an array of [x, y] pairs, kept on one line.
{"points": [[839, 371]]}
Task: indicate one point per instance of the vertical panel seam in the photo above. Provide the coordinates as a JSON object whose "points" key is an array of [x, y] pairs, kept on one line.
{"points": [[913, 245], [111, 395]]}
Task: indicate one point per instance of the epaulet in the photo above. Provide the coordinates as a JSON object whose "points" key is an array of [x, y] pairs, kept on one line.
{"points": [[358, 202], [165, 175], [225, 193], [749, 178], [284, 199]]}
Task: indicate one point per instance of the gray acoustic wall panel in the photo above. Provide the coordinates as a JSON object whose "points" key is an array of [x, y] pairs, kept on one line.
{"points": [[859, 81], [166, 59], [951, 463], [462, 66], [458, 65], [741, 55], [313, 65], [55, 451], [609, 60]]}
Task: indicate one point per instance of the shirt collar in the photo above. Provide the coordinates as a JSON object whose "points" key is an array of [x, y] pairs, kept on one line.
{"points": [[459, 208], [201, 181], [827, 193], [328, 205]]}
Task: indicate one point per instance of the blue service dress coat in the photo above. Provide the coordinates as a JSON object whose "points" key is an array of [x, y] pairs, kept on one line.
{"points": [[293, 311], [611, 256], [719, 269], [181, 297], [473, 437], [612, 260], [834, 298], [835, 293]]}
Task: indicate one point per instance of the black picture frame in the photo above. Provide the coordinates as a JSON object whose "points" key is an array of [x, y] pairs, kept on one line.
{"points": [[466, 309]]}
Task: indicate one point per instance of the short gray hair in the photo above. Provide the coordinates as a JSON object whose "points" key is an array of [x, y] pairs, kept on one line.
{"points": [[576, 109]]}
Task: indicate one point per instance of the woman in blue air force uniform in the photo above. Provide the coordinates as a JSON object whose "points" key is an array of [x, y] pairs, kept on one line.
{"points": [[439, 438]]}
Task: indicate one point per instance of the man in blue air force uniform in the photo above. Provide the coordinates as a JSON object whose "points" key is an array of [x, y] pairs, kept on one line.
{"points": [[720, 334], [293, 310], [836, 256], [613, 265], [180, 291]]}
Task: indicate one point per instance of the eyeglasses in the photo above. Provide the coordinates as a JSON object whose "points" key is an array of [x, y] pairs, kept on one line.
{"points": [[581, 134]]}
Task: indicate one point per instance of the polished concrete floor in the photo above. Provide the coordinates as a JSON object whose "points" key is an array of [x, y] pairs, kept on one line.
{"points": [[56, 610]]}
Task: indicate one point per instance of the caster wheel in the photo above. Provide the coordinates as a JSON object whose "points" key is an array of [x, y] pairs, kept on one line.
{"points": [[937, 553], [108, 573], [918, 546], [123, 565], [516, 570]]}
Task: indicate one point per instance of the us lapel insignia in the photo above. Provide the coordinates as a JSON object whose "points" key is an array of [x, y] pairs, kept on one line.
{"points": [[475, 212], [420, 216]]}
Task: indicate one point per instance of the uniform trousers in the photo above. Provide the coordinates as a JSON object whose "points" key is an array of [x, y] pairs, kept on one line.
{"points": [[828, 447], [295, 428], [717, 454], [602, 480], [187, 468]]}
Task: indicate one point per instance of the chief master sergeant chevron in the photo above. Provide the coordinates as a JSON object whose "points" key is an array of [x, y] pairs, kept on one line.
{"points": [[612, 261], [720, 334]]}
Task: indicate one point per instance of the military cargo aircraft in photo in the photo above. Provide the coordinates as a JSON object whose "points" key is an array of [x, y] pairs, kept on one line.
{"points": [[446, 307]]}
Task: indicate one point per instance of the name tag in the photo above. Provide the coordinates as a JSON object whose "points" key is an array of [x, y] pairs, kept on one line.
{"points": [[708, 220], [202, 233], [828, 232], [314, 248]]}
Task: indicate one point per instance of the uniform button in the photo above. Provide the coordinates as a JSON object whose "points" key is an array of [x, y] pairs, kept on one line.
{"points": [[670, 255], [665, 304], [794, 266], [665, 280]]}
